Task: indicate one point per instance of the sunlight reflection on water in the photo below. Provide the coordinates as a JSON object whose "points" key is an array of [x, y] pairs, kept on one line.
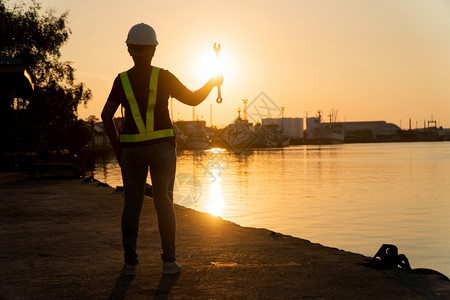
{"points": [[352, 196], [215, 203]]}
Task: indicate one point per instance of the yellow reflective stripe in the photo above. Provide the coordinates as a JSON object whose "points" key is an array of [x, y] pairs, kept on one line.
{"points": [[146, 132], [132, 101], [150, 135], [153, 86]]}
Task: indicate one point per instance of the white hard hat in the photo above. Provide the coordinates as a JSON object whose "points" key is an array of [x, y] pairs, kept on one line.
{"points": [[141, 34]]}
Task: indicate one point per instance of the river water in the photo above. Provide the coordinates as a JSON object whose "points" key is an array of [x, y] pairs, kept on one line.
{"points": [[354, 197]]}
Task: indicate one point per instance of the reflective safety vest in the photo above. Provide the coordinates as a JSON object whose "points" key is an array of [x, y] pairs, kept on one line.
{"points": [[147, 131]]}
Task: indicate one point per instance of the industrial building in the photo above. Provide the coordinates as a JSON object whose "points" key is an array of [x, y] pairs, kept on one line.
{"points": [[371, 131], [292, 127]]}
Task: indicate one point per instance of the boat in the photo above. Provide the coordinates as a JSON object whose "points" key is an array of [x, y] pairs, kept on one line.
{"points": [[192, 135], [430, 133], [241, 135], [237, 136], [323, 133], [270, 136]]}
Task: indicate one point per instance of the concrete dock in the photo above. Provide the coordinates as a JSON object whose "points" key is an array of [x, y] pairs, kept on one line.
{"points": [[60, 239]]}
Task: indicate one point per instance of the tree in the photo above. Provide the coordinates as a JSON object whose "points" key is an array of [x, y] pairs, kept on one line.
{"points": [[35, 38], [92, 119]]}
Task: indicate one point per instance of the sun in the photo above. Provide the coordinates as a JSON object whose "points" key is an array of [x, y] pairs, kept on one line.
{"points": [[207, 64]]}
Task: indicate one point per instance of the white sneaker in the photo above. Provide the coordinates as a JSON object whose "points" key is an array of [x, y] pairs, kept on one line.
{"points": [[129, 270], [171, 268]]}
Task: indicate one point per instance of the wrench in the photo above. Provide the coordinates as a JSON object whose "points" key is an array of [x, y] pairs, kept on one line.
{"points": [[216, 48]]}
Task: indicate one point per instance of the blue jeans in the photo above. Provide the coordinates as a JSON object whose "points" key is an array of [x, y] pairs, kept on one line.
{"points": [[135, 163]]}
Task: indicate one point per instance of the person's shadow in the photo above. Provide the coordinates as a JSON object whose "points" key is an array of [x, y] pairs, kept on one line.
{"points": [[166, 283], [120, 289]]}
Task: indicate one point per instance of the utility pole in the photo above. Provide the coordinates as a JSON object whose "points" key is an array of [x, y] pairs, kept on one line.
{"points": [[210, 115], [245, 108]]}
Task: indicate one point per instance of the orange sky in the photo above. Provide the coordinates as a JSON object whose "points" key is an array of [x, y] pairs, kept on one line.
{"points": [[370, 60]]}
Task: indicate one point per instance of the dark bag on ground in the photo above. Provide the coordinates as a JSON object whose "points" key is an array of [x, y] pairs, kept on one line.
{"points": [[387, 258]]}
